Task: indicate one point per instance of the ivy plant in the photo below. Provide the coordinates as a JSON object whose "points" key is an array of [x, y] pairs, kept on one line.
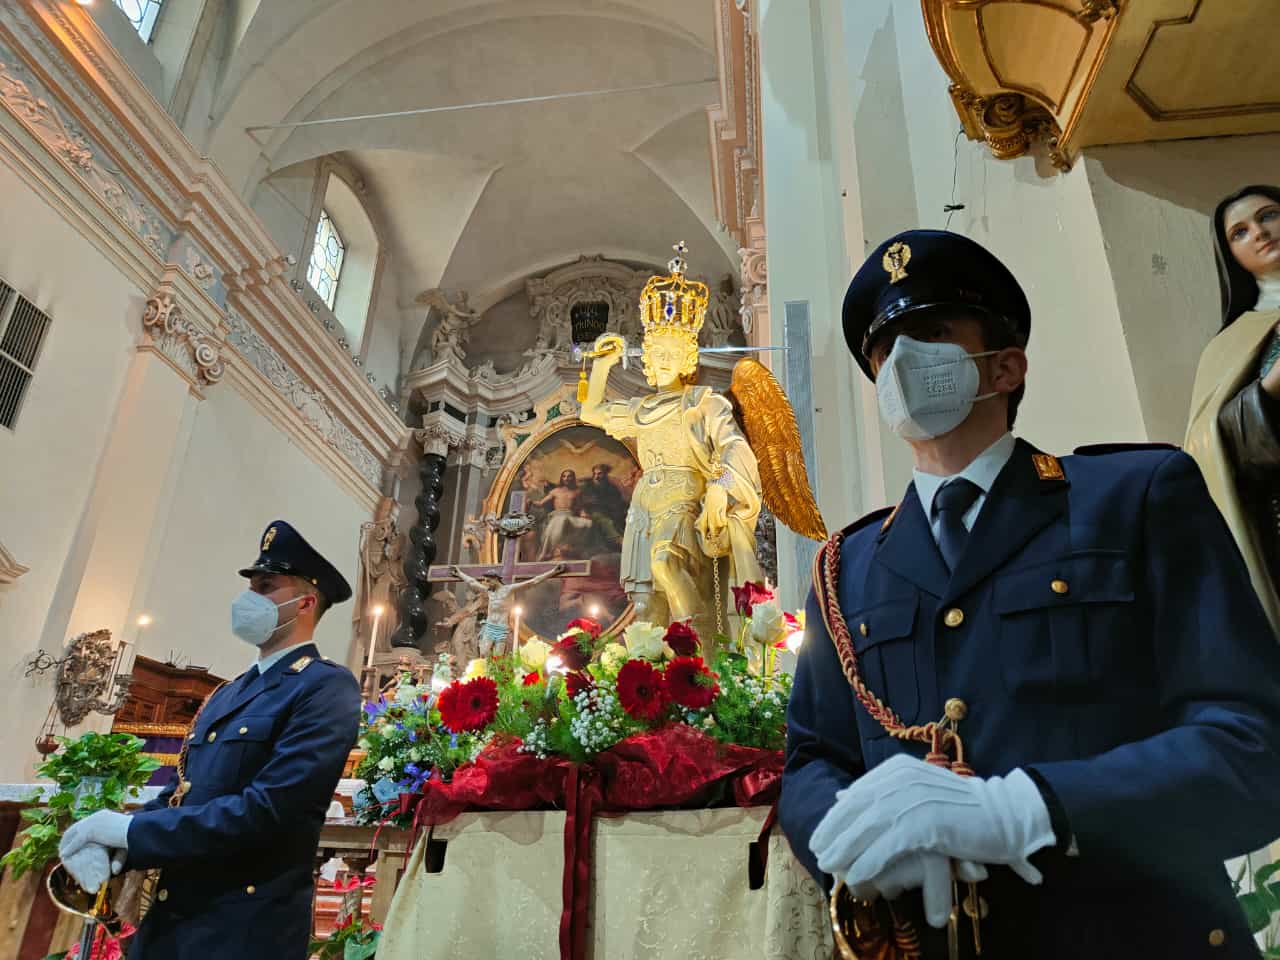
{"points": [[95, 771]]}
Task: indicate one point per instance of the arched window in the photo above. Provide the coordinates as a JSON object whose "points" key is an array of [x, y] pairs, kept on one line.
{"points": [[327, 254], [142, 14]]}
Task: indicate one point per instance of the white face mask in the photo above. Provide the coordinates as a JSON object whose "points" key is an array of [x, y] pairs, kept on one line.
{"points": [[253, 617], [927, 389]]}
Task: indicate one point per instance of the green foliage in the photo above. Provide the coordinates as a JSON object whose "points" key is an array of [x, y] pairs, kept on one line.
{"points": [[355, 941], [1261, 905], [751, 710], [95, 771]]}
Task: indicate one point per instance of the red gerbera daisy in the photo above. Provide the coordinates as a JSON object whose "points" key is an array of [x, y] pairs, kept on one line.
{"points": [[576, 682], [470, 706], [642, 690], [748, 595], [690, 683], [683, 639], [532, 679]]}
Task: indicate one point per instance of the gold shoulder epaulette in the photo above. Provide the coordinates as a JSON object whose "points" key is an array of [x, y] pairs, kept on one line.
{"points": [[301, 663], [1048, 467]]}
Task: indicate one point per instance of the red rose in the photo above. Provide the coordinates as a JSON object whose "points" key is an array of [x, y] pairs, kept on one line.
{"points": [[532, 679], [682, 639], [586, 625], [748, 595], [642, 690], [467, 707], [576, 682], [690, 683], [574, 649]]}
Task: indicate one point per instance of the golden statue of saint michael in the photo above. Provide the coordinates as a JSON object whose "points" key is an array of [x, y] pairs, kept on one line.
{"points": [[701, 492]]}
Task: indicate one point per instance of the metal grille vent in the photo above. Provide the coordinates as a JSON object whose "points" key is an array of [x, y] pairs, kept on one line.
{"points": [[22, 332]]}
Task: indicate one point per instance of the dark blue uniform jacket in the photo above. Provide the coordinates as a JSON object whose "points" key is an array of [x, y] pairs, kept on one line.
{"points": [[237, 855], [1142, 690]]}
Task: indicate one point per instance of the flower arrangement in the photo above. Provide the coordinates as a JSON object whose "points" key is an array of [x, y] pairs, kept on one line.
{"points": [[573, 699], [766, 627], [105, 946]]}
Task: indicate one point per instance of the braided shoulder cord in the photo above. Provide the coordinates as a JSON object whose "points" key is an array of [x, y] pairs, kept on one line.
{"points": [[183, 783], [940, 736]]}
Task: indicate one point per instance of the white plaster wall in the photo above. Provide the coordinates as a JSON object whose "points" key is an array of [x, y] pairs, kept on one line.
{"points": [[48, 462], [905, 156], [240, 474], [1154, 202], [141, 59]]}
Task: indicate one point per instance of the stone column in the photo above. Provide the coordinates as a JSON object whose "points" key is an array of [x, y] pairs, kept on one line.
{"points": [[436, 439]]}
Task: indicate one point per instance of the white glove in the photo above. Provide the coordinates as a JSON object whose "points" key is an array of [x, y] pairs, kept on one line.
{"points": [[906, 805], [89, 866], [106, 828], [930, 873]]}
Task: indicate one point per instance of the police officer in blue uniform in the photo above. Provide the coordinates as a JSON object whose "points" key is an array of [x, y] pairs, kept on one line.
{"points": [[1048, 677], [235, 833]]}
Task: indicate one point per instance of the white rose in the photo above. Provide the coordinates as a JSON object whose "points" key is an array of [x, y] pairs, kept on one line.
{"points": [[644, 641], [386, 763], [767, 622], [613, 657], [533, 654]]}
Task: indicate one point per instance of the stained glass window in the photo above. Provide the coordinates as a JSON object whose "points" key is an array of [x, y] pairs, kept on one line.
{"points": [[142, 14], [326, 259]]}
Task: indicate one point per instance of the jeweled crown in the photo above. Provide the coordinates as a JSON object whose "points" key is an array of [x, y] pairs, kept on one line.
{"points": [[672, 304]]}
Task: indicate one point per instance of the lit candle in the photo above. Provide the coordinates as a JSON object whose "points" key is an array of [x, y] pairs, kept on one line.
{"points": [[515, 635], [595, 610], [373, 637]]}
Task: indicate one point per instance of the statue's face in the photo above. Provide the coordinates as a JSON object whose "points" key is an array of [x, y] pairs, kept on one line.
{"points": [[668, 357], [1252, 229]]}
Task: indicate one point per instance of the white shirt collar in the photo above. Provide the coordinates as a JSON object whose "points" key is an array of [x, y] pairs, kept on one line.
{"points": [[266, 663], [982, 471], [1268, 292]]}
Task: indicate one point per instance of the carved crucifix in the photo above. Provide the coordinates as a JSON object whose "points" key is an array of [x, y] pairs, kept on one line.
{"points": [[501, 581]]}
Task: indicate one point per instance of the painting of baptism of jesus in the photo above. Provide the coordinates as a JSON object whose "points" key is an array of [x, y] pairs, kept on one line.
{"points": [[577, 483]]}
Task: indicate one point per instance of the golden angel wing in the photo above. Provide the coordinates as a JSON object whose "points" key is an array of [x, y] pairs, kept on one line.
{"points": [[770, 425]]}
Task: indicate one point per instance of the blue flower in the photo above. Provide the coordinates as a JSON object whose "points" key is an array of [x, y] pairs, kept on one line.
{"points": [[374, 710], [453, 741]]}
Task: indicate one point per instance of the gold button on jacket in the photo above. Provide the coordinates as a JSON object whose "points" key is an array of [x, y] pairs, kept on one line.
{"points": [[212, 736], [954, 617]]}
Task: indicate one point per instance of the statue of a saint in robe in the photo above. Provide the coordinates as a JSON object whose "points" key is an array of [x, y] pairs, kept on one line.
{"points": [[701, 491], [1234, 433]]}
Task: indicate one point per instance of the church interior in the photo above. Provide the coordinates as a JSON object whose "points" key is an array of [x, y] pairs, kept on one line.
{"points": [[351, 272]]}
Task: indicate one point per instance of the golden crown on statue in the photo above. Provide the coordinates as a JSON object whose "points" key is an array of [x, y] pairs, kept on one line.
{"points": [[672, 304]]}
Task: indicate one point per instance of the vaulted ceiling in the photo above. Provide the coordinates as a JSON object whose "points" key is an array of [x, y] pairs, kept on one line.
{"points": [[480, 198]]}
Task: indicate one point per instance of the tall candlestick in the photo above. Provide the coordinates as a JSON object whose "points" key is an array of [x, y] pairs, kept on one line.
{"points": [[515, 635], [373, 636]]}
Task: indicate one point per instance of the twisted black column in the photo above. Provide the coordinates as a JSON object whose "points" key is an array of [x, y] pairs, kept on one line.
{"points": [[422, 553]]}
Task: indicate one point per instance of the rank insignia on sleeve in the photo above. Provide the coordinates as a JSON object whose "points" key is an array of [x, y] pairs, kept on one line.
{"points": [[1048, 467], [301, 663]]}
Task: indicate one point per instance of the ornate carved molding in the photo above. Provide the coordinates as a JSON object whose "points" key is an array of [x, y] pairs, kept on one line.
{"points": [[439, 434], [10, 568], [196, 353], [312, 405]]}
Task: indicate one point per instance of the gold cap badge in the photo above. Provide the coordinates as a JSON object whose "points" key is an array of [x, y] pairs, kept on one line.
{"points": [[267, 539], [895, 261]]}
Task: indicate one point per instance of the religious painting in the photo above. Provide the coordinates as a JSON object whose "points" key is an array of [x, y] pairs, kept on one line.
{"points": [[577, 482]]}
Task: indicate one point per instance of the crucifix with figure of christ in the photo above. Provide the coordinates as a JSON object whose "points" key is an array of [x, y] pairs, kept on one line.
{"points": [[501, 581]]}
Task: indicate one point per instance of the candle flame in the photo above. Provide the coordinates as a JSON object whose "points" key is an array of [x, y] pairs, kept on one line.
{"points": [[144, 620]]}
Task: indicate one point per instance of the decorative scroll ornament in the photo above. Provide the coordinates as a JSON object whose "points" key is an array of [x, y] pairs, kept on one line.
{"points": [[87, 672], [181, 340]]}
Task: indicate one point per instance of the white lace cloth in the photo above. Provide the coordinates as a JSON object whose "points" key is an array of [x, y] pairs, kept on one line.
{"points": [[672, 884]]}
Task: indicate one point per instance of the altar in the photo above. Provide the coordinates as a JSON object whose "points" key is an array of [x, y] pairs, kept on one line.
{"points": [[670, 884]]}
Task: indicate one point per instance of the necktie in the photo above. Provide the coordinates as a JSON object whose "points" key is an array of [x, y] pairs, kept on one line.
{"points": [[950, 504]]}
